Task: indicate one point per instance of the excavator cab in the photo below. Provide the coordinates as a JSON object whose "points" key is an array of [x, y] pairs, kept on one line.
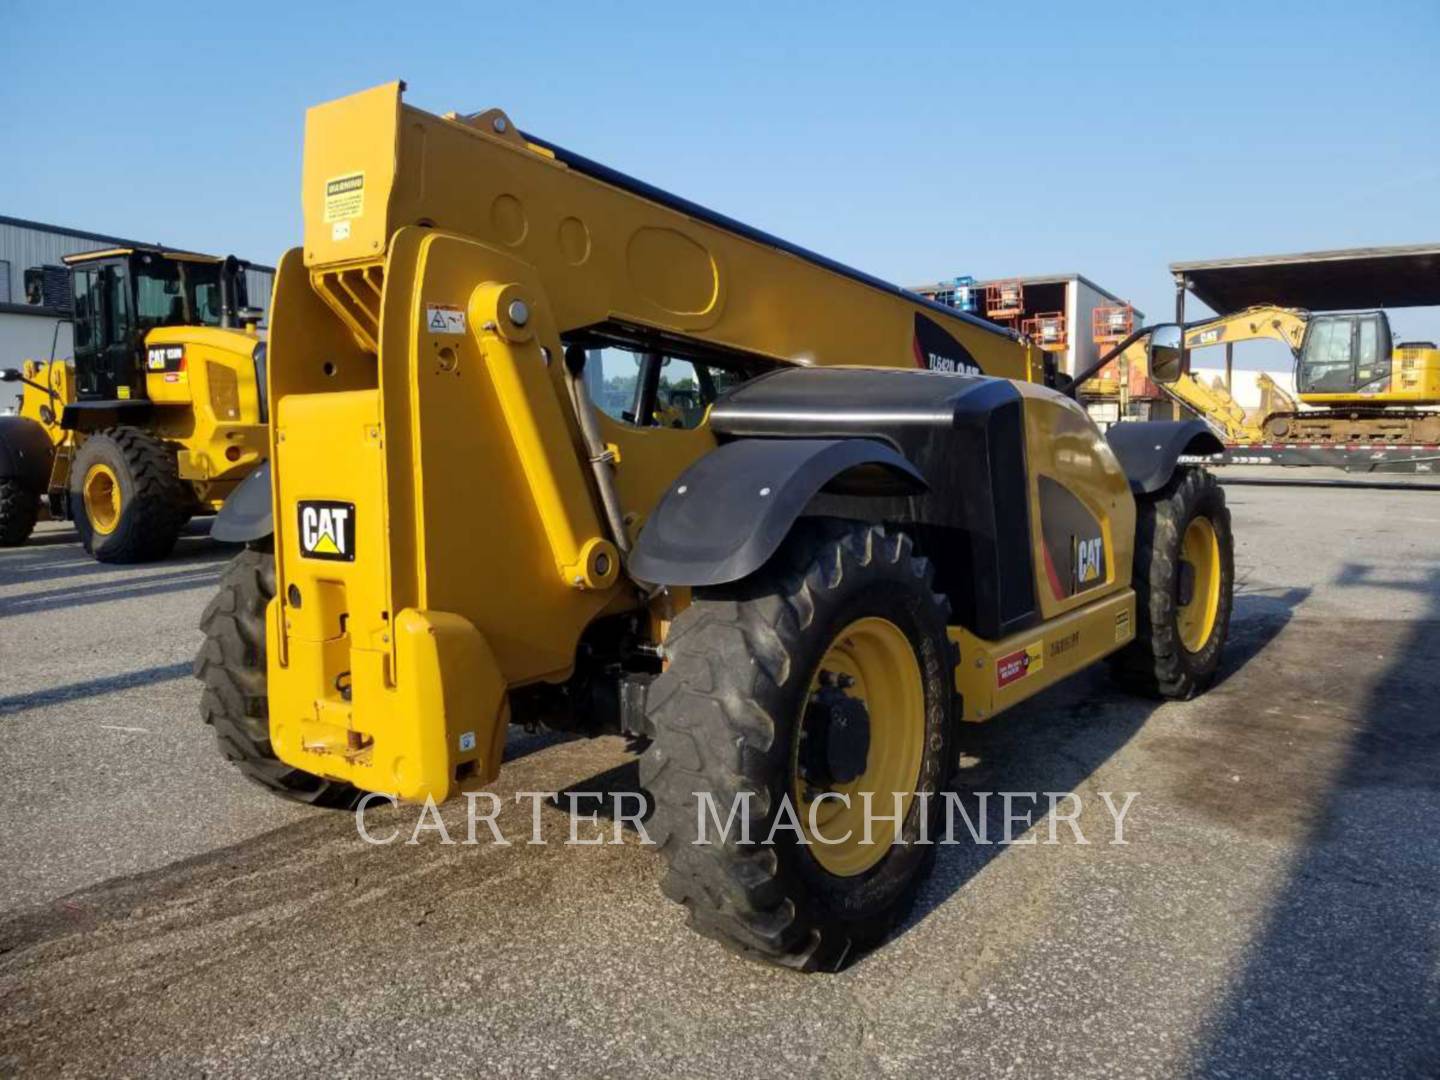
{"points": [[120, 295], [1348, 353]]}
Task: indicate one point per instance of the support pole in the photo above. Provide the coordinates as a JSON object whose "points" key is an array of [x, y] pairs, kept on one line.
{"points": [[1230, 368], [1180, 318]]}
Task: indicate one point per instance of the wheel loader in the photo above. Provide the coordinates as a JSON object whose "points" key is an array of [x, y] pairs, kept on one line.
{"points": [[158, 416], [860, 522]]}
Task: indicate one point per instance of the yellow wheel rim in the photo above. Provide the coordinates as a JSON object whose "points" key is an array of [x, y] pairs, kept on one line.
{"points": [[1201, 549], [102, 498], [874, 663]]}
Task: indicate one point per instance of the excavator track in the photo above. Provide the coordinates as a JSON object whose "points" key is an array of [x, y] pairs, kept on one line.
{"points": [[1354, 426]]}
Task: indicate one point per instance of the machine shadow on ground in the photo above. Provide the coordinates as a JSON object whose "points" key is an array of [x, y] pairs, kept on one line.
{"points": [[111, 587], [1345, 966], [1056, 741], [110, 684], [59, 555]]}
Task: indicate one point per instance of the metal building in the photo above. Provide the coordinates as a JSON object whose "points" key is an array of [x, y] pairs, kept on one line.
{"points": [[35, 320], [1055, 310]]}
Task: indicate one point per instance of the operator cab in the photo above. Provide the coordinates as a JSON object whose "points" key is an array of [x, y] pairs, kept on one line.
{"points": [[1347, 353], [121, 294]]}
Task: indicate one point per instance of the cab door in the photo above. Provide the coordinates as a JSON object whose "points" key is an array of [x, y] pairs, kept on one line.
{"points": [[107, 366]]}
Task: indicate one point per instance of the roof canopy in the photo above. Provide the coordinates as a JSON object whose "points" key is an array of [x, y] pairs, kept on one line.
{"points": [[139, 249], [1373, 277]]}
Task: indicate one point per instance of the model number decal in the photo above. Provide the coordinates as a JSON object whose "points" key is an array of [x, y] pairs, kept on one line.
{"points": [[937, 350], [327, 530], [164, 357]]}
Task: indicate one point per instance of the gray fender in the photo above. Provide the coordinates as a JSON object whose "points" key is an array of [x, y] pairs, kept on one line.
{"points": [[1149, 450], [246, 516], [26, 453], [728, 513]]}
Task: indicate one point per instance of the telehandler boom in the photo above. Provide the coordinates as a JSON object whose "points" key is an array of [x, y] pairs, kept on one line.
{"points": [[551, 446]]}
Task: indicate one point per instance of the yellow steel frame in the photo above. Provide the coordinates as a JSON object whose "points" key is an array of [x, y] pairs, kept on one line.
{"points": [[416, 372]]}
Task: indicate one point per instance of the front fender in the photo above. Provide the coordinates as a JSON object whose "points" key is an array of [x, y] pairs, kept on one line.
{"points": [[26, 452], [246, 515], [1149, 450], [728, 513]]}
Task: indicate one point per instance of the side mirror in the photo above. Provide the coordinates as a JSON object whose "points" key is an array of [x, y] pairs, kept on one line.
{"points": [[1163, 353], [9, 374]]}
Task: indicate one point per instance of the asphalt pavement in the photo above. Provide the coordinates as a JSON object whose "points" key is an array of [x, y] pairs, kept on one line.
{"points": [[1275, 910]]}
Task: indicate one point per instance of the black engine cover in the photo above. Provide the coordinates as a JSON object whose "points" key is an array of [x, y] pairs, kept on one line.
{"points": [[964, 433]]}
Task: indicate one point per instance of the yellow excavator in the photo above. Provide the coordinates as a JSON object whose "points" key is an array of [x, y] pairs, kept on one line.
{"points": [[1356, 388], [157, 417], [1360, 387]]}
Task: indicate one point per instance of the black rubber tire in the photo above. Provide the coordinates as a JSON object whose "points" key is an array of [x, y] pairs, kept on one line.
{"points": [[725, 718], [1156, 663], [19, 510], [231, 664], [154, 501]]}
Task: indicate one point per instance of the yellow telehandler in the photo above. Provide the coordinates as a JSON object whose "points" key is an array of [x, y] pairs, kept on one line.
{"points": [[552, 446], [158, 416]]}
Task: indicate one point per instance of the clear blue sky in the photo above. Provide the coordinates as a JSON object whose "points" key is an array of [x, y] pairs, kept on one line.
{"points": [[991, 139]]}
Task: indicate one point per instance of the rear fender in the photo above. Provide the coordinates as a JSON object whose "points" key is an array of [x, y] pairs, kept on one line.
{"points": [[730, 511]]}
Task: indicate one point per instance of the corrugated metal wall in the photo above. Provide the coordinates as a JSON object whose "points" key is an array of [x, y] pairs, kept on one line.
{"points": [[257, 285], [23, 247], [26, 244]]}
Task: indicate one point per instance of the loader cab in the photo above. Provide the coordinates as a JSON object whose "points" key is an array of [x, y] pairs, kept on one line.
{"points": [[1346, 353], [122, 294]]}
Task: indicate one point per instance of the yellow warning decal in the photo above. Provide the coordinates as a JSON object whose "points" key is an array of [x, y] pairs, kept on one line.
{"points": [[345, 197]]}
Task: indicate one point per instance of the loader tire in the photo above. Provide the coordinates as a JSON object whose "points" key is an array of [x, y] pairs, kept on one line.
{"points": [[231, 665], [746, 704], [126, 496], [19, 510], [1184, 579]]}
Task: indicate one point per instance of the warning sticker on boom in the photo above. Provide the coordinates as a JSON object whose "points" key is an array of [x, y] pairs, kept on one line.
{"points": [[345, 197], [444, 319]]}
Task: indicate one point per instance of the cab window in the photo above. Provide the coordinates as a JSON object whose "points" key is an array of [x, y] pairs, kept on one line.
{"points": [[1372, 365], [1328, 362], [168, 293], [159, 298], [651, 389], [87, 309]]}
